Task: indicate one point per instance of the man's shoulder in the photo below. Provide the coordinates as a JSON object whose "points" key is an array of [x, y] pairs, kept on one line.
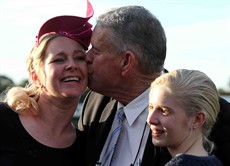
{"points": [[220, 134], [96, 99], [222, 125], [96, 105], [224, 106], [224, 114]]}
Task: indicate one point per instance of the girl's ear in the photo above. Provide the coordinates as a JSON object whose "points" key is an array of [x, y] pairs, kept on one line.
{"points": [[127, 62], [199, 120]]}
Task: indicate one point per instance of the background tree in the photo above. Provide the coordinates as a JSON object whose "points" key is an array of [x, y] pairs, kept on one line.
{"points": [[5, 82], [23, 82]]}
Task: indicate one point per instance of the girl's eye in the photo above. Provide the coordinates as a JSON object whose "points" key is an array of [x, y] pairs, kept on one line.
{"points": [[151, 107], [165, 112]]}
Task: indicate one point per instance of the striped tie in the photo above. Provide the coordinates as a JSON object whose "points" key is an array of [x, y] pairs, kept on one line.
{"points": [[113, 139]]}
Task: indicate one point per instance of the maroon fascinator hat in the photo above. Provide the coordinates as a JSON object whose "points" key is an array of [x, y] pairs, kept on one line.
{"points": [[74, 27]]}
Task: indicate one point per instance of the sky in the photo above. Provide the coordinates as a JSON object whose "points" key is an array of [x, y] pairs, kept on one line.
{"points": [[198, 32]]}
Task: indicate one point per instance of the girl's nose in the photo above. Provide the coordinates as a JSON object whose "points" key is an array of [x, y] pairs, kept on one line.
{"points": [[152, 118]]}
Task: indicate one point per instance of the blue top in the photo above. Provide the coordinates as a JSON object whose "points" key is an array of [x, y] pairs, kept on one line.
{"points": [[190, 160]]}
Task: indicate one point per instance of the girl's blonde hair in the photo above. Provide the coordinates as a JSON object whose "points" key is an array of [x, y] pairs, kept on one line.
{"points": [[196, 92]]}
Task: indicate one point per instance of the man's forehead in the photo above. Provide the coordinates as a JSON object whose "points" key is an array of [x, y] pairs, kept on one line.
{"points": [[101, 37]]}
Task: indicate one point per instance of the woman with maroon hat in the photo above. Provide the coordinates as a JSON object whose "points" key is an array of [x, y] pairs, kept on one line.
{"points": [[36, 121]]}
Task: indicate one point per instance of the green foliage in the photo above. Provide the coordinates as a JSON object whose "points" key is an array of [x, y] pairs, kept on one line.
{"points": [[23, 83], [5, 82]]}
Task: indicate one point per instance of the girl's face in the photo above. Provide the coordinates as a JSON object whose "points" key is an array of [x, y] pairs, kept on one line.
{"points": [[170, 125], [64, 72]]}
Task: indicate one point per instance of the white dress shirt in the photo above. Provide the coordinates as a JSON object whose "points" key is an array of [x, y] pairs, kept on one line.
{"points": [[134, 126]]}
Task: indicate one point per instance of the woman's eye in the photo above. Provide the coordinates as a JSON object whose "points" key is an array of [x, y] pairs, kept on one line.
{"points": [[58, 60], [80, 58]]}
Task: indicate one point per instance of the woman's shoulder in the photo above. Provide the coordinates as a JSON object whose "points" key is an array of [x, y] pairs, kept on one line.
{"points": [[6, 113], [4, 107]]}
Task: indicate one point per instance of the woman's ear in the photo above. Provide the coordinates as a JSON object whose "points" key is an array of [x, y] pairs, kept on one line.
{"points": [[35, 78], [199, 120], [128, 62]]}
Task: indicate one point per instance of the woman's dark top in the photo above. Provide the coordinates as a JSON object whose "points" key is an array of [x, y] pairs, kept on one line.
{"points": [[17, 147], [190, 160]]}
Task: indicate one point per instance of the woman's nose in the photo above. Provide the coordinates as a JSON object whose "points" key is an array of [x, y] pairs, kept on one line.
{"points": [[71, 65]]}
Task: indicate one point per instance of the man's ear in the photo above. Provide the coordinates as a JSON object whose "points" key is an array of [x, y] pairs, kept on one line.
{"points": [[199, 120], [128, 62]]}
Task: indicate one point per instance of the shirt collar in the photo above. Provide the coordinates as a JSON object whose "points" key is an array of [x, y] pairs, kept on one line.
{"points": [[135, 107]]}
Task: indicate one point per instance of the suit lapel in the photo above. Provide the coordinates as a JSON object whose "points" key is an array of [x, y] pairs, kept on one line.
{"points": [[104, 126]]}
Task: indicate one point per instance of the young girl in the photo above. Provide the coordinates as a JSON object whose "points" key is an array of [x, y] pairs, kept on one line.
{"points": [[183, 107]]}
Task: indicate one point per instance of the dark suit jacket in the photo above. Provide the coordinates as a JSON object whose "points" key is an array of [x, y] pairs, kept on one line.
{"points": [[97, 117]]}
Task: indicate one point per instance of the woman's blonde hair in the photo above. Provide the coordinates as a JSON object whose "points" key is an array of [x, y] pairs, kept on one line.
{"points": [[24, 98]]}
